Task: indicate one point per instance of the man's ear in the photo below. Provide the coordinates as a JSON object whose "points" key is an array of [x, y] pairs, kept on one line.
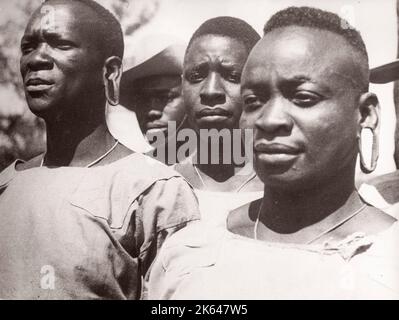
{"points": [[368, 131], [369, 109], [112, 74]]}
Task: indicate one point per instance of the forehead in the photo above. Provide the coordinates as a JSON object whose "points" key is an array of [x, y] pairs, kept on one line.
{"points": [[158, 82], [292, 52], [63, 17], [216, 47]]}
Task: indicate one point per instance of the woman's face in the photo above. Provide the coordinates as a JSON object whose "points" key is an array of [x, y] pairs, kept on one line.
{"points": [[298, 95], [211, 82]]}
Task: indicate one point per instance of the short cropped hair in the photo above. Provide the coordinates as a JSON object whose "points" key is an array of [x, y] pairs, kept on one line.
{"points": [[110, 30], [323, 20], [227, 27]]}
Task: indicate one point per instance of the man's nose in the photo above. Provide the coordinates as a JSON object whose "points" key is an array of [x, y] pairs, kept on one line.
{"points": [[154, 115], [212, 92], [40, 59], [274, 117]]}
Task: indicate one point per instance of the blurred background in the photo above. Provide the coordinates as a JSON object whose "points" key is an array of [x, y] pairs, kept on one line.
{"points": [[22, 135]]}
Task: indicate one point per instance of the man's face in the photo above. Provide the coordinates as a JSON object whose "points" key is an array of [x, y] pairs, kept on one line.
{"points": [[158, 102], [211, 82], [60, 63], [299, 99]]}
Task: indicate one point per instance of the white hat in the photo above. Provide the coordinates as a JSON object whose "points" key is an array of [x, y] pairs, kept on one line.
{"points": [[155, 55]]}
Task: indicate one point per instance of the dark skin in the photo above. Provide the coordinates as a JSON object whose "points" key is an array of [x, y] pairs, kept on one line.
{"points": [[64, 72], [211, 92], [296, 97]]}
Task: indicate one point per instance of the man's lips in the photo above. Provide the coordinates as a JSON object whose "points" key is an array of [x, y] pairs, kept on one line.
{"points": [[37, 84], [213, 112], [276, 148], [276, 153], [156, 125]]}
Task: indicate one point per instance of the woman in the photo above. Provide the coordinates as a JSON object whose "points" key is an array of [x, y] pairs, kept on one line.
{"points": [[212, 68], [85, 219], [305, 91]]}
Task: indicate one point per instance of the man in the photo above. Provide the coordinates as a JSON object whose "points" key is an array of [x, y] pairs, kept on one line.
{"points": [[85, 219], [383, 191], [213, 62], [305, 92], [152, 90]]}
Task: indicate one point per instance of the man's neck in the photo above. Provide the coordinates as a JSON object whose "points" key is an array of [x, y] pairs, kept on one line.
{"points": [[74, 141], [288, 212]]}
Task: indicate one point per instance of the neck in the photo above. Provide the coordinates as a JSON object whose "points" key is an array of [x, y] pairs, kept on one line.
{"points": [[75, 139], [221, 170], [288, 212]]}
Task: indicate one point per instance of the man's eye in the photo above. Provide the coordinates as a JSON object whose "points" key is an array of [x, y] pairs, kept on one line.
{"points": [[27, 48], [234, 77], [194, 76], [306, 98], [63, 44], [251, 103]]}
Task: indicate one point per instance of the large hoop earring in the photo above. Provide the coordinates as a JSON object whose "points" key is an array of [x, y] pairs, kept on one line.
{"points": [[112, 92], [374, 151]]}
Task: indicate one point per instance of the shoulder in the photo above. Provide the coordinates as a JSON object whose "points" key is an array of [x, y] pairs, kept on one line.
{"points": [[242, 219], [388, 186], [371, 222], [193, 246], [9, 173]]}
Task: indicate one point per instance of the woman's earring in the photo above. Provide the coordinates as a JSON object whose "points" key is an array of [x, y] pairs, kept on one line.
{"points": [[112, 92], [366, 135]]}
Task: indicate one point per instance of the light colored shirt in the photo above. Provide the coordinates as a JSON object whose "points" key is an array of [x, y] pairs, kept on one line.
{"points": [[123, 125], [199, 262], [382, 192], [91, 233]]}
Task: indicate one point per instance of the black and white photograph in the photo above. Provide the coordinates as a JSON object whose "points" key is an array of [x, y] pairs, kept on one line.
{"points": [[199, 150]]}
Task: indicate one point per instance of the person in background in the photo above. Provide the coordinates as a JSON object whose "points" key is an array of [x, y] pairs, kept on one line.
{"points": [[311, 236], [213, 62], [383, 191], [151, 89], [85, 219]]}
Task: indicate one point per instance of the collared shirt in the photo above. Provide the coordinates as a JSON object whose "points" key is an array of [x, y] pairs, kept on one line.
{"points": [[123, 125], [91, 233], [383, 192]]}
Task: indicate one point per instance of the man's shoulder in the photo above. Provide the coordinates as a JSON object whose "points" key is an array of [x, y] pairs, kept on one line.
{"points": [[141, 166], [388, 186], [9, 173]]}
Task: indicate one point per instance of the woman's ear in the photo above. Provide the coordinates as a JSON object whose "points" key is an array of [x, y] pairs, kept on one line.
{"points": [[368, 131], [112, 74]]}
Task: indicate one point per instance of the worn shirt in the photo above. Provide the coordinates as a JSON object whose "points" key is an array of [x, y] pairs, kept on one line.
{"points": [[213, 263], [72, 233], [383, 192]]}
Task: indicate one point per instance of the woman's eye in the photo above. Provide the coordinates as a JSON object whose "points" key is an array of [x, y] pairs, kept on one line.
{"points": [[306, 99]]}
